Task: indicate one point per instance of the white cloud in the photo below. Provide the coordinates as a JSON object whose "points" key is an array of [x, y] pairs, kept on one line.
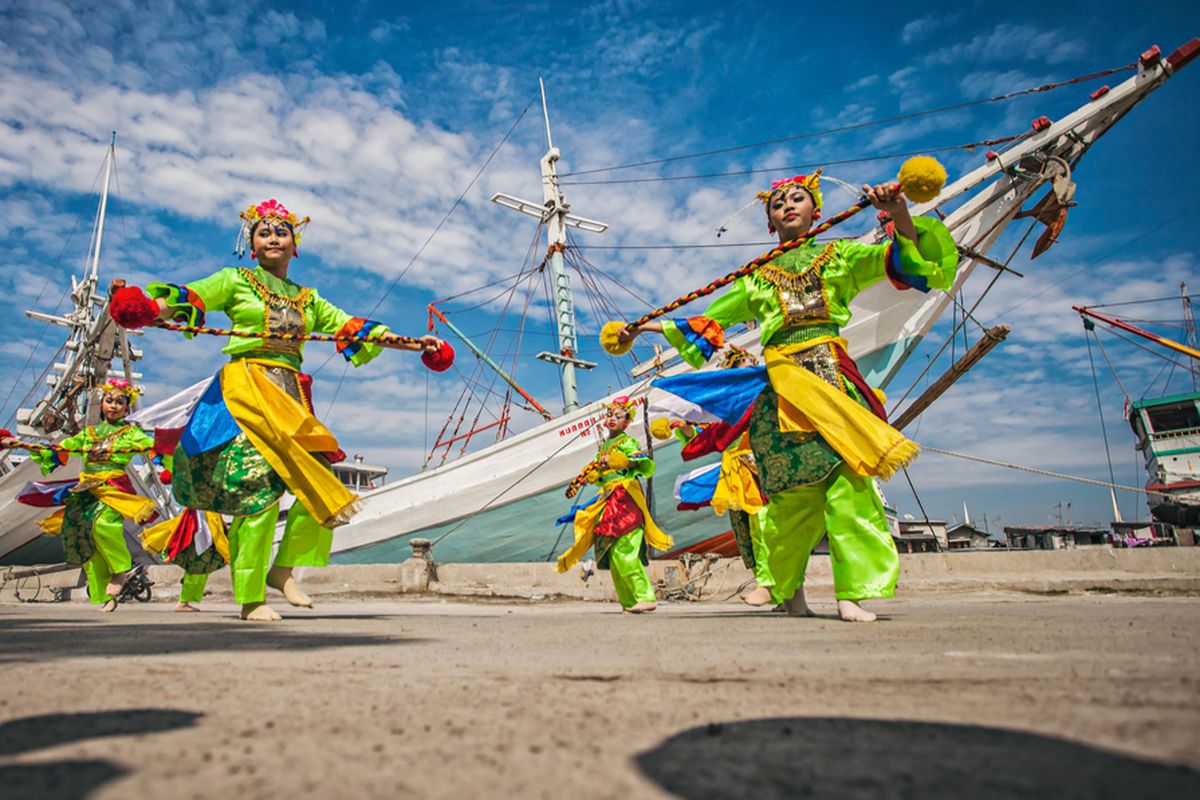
{"points": [[1007, 42]]}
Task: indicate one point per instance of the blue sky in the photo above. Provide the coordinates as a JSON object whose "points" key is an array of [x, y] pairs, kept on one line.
{"points": [[375, 118]]}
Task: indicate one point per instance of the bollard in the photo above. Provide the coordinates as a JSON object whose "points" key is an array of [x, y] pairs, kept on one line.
{"points": [[417, 572]]}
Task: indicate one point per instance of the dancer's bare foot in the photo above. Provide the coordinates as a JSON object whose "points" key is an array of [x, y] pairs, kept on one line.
{"points": [[109, 607], [185, 607], [642, 608], [851, 611], [280, 579], [761, 596], [115, 584], [259, 612], [798, 606]]}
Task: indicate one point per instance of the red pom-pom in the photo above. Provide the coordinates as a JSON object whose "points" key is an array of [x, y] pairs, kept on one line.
{"points": [[165, 477], [5, 433], [439, 360], [131, 308]]}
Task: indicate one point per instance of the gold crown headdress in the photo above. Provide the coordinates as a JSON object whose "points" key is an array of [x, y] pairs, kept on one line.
{"points": [[734, 354], [268, 210], [121, 386], [809, 183], [626, 404]]}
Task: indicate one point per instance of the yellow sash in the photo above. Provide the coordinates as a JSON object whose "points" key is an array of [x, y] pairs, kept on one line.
{"points": [[130, 506], [287, 435], [737, 488], [52, 525], [586, 519], [157, 538], [867, 444]]}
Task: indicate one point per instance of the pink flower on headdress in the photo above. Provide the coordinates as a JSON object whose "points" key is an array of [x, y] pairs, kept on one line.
{"points": [[797, 179], [118, 383], [620, 400], [273, 208]]}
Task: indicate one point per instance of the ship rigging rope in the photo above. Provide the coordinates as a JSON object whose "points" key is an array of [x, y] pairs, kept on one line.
{"points": [[1099, 404], [632, 392], [860, 125], [1038, 471], [954, 332], [809, 165], [50, 273], [1185, 213], [1139, 302]]}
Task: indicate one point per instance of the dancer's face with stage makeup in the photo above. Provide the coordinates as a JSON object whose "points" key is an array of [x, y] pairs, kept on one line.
{"points": [[273, 246], [616, 419], [790, 212], [114, 407]]}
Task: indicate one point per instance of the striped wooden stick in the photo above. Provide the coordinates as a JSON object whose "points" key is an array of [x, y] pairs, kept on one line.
{"points": [[286, 337], [750, 266]]}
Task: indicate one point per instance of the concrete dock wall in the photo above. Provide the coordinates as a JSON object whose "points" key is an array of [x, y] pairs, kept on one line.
{"points": [[1165, 570]]}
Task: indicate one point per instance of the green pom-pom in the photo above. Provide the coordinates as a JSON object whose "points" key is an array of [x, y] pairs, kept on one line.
{"points": [[610, 338], [921, 178]]}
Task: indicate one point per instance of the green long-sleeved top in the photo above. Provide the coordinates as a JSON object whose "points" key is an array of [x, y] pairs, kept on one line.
{"points": [[122, 436], [806, 292], [640, 463], [259, 302]]}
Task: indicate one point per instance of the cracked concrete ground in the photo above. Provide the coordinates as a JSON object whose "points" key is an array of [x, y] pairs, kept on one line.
{"points": [[950, 695]]}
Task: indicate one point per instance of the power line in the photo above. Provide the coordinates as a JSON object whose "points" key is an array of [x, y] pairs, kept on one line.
{"points": [[856, 126], [788, 167]]}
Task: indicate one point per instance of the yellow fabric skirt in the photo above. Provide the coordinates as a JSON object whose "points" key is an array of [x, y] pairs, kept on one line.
{"points": [[586, 519], [737, 488], [287, 434], [868, 445]]}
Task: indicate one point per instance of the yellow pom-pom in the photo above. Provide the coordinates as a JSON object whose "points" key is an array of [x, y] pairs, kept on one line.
{"points": [[618, 460], [610, 338], [592, 475], [921, 178], [661, 428]]}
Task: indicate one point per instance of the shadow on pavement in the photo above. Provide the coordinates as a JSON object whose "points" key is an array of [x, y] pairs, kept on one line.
{"points": [[58, 780], [46, 639], [50, 730], [839, 757], [72, 779]]}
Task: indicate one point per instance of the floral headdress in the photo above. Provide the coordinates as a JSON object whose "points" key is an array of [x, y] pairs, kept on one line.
{"points": [[267, 211], [120, 386], [734, 354], [623, 402], [809, 183]]}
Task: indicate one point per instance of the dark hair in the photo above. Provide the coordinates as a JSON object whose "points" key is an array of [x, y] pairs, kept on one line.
{"points": [[254, 227]]}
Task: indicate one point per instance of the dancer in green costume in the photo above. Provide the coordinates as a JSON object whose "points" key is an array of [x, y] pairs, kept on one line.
{"points": [[92, 522], [618, 523], [736, 490], [817, 430], [253, 435]]}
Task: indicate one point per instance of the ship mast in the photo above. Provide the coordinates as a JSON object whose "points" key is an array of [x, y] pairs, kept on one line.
{"points": [[554, 212], [92, 344], [1189, 326]]}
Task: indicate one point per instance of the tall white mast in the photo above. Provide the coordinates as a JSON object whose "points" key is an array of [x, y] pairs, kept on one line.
{"points": [[93, 342], [1189, 323], [99, 237], [554, 211]]}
